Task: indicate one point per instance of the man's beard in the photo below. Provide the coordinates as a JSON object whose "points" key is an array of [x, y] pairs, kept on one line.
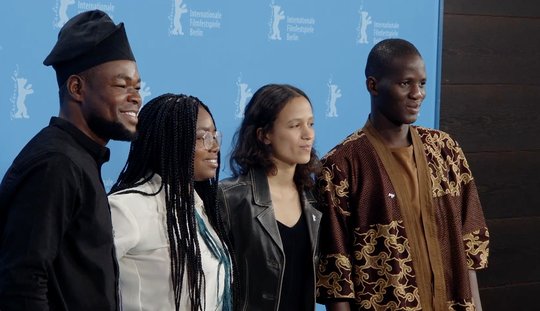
{"points": [[110, 129]]}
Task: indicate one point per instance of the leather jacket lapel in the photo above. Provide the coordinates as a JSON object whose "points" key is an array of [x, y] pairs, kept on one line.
{"points": [[268, 221], [266, 216], [313, 219]]}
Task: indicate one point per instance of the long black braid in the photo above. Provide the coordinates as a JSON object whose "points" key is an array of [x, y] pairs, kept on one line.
{"points": [[207, 190], [166, 146]]}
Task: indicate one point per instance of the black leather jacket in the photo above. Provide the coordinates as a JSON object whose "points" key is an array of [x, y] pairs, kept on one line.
{"points": [[251, 224]]}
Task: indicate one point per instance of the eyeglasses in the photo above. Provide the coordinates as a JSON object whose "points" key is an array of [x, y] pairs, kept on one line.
{"points": [[208, 138]]}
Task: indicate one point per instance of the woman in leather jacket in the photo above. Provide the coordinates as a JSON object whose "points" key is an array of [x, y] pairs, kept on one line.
{"points": [[267, 208]]}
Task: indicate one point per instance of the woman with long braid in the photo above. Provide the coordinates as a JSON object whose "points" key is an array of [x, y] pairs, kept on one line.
{"points": [[169, 243], [268, 210]]}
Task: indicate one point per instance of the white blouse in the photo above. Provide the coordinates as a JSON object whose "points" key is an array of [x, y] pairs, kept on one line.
{"points": [[142, 250]]}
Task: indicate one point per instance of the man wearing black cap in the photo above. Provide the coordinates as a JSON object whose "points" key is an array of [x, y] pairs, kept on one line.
{"points": [[56, 240]]}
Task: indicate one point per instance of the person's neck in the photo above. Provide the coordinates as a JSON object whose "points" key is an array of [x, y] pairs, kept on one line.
{"points": [[282, 177], [76, 118], [394, 136]]}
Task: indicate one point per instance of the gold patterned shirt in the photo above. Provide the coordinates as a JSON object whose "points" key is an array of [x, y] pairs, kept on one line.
{"points": [[368, 242]]}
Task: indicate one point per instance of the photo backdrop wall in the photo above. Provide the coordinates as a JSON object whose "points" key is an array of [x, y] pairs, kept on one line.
{"points": [[221, 52]]}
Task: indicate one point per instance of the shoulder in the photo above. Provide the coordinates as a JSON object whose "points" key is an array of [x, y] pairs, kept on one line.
{"points": [[437, 142], [433, 136], [124, 197], [350, 153], [347, 146], [236, 191], [54, 139], [53, 147], [238, 183], [44, 165], [48, 144], [137, 196], [442, 151]]}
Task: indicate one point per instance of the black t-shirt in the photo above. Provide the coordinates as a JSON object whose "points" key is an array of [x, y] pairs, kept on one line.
{"points": [[298, 267]]}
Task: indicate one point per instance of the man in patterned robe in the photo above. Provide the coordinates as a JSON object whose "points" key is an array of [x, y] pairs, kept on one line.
{"points": [[403, 228]]}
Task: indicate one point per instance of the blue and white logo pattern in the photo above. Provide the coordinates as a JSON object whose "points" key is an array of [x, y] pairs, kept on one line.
{"points": [[86, 6], [385, 30], [334, 93], [144, 91], [277, 16], [243, 95], [296, 26], [200, 21], [21, 90], [365, 21], [61, 12], [221, 52], [179, 9]]}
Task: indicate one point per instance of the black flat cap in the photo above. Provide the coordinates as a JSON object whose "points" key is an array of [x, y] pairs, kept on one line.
{"points": [[87, 40]]}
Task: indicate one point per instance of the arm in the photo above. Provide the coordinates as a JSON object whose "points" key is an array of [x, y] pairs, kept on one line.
{"points": [[334, 274], [474, 290], [223, 210], [126, 229], [38, 209], [476, 237]]}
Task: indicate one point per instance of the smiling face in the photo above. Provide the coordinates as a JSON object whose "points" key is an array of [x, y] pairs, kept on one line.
{"points": [[292, 135], [398, 95], [110, 100], [206, 160]]}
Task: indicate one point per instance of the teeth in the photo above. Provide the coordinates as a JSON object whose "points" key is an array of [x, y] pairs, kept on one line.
{"points": [[131, 113], [212, 161]]}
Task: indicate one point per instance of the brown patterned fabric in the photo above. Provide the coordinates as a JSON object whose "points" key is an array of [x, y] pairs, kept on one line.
{"points": [[366, 245]]}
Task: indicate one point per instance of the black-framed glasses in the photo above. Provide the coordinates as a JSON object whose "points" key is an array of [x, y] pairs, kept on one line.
{"points": [[208, 138]]}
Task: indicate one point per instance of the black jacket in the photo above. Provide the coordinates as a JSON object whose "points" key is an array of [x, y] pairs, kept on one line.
{"points": [[56, 239], [251, 225]]}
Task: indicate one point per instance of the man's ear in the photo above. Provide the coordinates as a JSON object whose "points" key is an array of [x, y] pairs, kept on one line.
{"points": [[262, 136], [74, 87], [371, 85]]}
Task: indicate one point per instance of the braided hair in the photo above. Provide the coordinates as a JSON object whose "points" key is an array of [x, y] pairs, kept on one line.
{"points": [[166, 146]]}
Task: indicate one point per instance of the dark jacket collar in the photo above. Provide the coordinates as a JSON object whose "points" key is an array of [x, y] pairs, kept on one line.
{"points": [[261, 197], [261, 190], [100, 153]]}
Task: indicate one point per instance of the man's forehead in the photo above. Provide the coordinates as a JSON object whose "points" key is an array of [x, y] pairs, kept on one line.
{"points": [[405, 64]]}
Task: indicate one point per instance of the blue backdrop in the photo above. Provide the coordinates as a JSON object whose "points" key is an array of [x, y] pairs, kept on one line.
{"points": [[221, 52]]}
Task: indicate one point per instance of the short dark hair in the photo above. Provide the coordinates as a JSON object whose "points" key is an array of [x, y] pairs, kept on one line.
{"points": [[249, 152], [383, 53], [63, 91]]}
